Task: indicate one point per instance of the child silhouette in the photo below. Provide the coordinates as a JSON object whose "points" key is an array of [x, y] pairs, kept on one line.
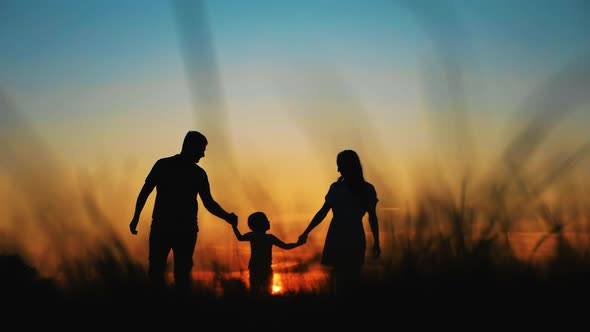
{"points": [[261, 243]]}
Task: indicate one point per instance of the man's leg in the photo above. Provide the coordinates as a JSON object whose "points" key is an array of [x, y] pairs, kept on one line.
{"points": [[183, 250], [159, 248]]}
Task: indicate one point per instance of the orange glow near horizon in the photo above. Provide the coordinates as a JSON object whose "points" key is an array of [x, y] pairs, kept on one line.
{"points": [[95, 209], [315, 279]]}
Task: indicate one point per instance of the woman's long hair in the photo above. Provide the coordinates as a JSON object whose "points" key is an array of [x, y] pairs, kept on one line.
{"points": [[351, 169]]}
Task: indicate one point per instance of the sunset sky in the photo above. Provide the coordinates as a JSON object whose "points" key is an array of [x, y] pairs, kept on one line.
{"points": [[93, 92]]}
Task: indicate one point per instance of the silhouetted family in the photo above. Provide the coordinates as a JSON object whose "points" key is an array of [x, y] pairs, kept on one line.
{"points": [[178, 181]]}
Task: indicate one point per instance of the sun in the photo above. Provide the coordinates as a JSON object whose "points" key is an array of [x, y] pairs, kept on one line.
{"points": [[277, 285]]}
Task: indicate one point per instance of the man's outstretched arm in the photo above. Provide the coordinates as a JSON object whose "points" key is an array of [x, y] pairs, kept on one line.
{"points": [[144, 193], [212, 206]]}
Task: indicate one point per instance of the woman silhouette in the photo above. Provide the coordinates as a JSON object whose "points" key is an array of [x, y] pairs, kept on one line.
{"points": [[349, 198]]}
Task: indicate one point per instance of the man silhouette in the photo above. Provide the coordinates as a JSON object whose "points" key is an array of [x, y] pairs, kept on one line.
{"points": [[178, 181]]}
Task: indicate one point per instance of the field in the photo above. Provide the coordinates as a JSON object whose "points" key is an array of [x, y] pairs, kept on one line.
{"points": [[434, 279]]}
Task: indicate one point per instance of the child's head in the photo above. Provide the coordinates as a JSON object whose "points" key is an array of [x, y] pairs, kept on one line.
{"points": [[258, 222]]}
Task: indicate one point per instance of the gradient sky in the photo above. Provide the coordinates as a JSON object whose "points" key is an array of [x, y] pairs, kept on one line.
{"points": [[280, 87], [112, 70]]}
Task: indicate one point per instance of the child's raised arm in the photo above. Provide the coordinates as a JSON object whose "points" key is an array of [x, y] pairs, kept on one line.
{"points": [[239, 235]]}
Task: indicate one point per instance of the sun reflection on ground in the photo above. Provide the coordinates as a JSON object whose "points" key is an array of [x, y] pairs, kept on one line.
{"points": [[284, 282]]}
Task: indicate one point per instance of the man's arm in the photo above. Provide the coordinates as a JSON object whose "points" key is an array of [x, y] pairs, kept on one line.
{"points": [[144, 193], [212, 206]]}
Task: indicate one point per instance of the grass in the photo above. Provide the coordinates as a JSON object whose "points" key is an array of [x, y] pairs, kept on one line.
{"points": [[446, 257], [432, 276]]}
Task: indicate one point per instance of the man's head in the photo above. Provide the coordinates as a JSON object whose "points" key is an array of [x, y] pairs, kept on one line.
{"points": [[194, 145]]}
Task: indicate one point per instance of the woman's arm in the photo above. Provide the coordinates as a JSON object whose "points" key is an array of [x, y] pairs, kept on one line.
{"points": [[374, 223], [315, 221], [279, 243]]}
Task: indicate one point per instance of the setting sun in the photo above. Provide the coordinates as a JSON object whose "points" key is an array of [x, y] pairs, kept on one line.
{"points": [[277, 286]]}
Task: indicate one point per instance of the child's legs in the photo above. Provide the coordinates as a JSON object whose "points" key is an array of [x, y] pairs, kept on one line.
{"points": [[261, 281]]}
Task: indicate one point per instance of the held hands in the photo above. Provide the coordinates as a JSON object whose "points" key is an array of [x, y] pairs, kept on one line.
{"points": [[232, 219], [302, 238]]}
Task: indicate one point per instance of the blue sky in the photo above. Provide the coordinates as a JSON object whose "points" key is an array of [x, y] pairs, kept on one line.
{"points": [[107, 74], [44, 42]]}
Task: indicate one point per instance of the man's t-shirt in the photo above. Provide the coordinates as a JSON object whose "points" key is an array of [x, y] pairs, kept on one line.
{"points": [[178, 181]]}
